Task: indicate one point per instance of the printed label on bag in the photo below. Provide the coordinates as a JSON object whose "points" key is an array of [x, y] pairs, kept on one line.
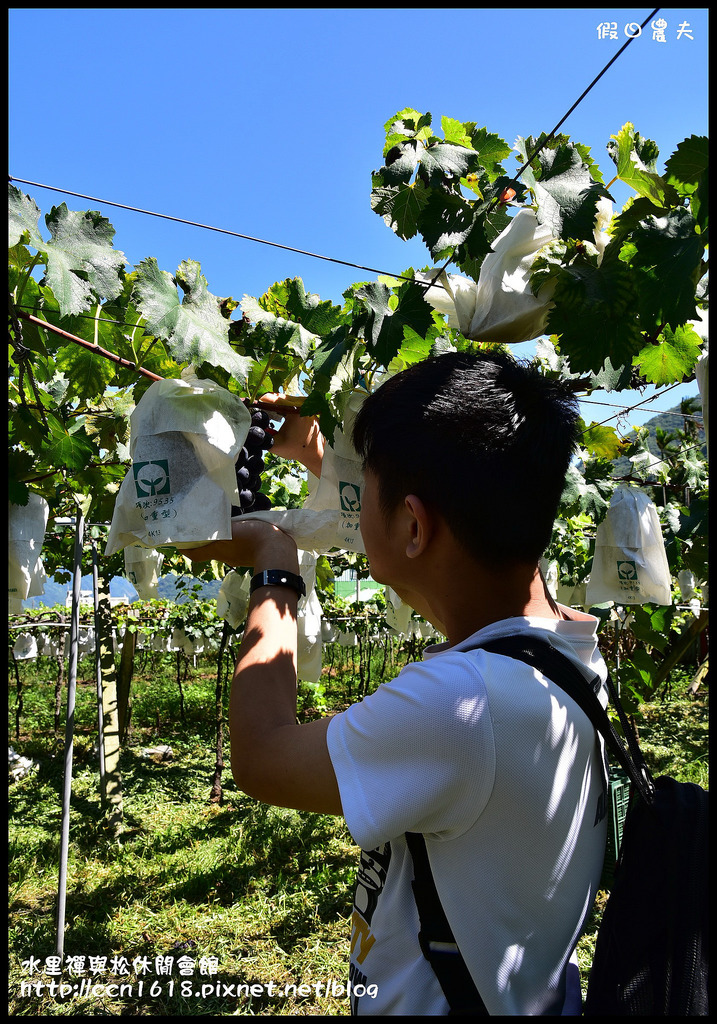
{"points": [[349, 496], [151, 478], [627, 577], [626, 570]]}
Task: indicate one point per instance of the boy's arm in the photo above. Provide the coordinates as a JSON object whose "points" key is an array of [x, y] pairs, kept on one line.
{"points": [[273, 758]]}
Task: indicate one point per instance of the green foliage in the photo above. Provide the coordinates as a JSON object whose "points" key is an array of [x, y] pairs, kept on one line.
{"points": [[620, 316], [195, 329], [561, 178]]}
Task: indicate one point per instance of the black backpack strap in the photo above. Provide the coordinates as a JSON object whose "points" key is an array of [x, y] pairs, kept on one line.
{"points": [[436, 938], [541, 654], [438, 944]]}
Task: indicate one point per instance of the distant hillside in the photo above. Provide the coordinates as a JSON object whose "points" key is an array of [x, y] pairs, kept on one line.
{"points": [[167, 587], [56, 593], [670, 421]]}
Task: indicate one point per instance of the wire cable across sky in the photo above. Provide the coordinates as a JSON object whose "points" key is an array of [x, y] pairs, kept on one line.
{"points": [[306, 252]]}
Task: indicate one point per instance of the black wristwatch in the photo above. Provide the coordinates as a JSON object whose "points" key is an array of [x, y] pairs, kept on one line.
{"points": [[278, 578]]}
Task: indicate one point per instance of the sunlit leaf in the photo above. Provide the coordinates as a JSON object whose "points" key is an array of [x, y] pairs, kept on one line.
{"points": [[194, 329], [672, 358], [23, 219], [602, 441], [82, 264], [634, 159]]}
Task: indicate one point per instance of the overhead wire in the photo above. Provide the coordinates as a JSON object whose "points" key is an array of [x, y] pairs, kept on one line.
{"points": [[314, 255], [630, 408]]}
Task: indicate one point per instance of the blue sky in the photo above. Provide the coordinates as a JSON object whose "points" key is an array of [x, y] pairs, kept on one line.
{"points": [[269, 121]]}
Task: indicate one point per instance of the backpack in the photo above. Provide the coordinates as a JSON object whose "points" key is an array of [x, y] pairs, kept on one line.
{"points": [[652, 950]]}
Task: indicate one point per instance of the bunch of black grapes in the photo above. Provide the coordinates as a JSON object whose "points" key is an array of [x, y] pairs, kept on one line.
{"points": [[250, 464]]}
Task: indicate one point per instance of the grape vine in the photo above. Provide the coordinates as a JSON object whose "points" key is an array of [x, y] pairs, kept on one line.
{"points": [[622, 292]]}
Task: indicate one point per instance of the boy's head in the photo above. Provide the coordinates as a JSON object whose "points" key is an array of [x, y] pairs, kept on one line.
{"points": [[484, 440]]}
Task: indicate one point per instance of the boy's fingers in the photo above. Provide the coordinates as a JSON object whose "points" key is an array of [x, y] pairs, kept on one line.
{"points": [[282, 403]]}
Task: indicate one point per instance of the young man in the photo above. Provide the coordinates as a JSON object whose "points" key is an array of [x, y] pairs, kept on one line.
{"points": [[464, 459]]}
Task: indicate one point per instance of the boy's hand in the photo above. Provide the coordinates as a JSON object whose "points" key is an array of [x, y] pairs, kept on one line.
{"points": [[299, 437]]}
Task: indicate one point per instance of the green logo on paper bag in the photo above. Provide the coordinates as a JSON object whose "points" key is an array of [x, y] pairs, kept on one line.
{"points": [[349, 496], [626, 571], [151, 478]]}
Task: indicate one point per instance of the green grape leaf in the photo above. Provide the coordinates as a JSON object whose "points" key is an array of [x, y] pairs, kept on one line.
{"points": [[194, 329], [688, 164], [666, 252], [331, 353], [400, 206], [281, 335], [19, 464], [68, 447], [400, 163], [289, 299], [602, 441], [579, 496], [414, 349], [82, 265], [564, 189], [446, 221], [611, 378], [442, 160], [23, 219], [593, 314], [491, 150], [688, 171], [406, 124], [89, 374], [672, 358], [456, 132], [384, 325], [25, 427], [635, 159], [332, 375]]}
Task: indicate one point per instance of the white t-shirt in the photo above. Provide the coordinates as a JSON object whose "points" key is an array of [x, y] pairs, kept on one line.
{"points": [[503, 774]]}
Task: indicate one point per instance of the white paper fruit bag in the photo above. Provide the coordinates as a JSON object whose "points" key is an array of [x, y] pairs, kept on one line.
{"points": [[186, 435], [141, 568], [398, 613], [501, 307], [630, 562], [309, 619], [26, 533], [233, 598], [340, 487], [25, 647]]}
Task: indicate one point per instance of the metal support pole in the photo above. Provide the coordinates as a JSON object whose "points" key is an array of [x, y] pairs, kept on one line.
{"points": [[69, 731]]}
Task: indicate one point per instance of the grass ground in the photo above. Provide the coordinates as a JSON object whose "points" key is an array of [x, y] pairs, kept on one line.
{"points": [[252, 902]]}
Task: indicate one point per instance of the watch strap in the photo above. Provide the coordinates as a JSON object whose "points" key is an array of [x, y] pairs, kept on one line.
{"points": [[278, 578]]}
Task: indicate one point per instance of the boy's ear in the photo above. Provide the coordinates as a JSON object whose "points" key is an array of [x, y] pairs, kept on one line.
{"points": [[420, 525]]}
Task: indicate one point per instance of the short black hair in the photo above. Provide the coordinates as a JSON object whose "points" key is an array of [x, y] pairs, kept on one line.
{"points": [[484, 439]]}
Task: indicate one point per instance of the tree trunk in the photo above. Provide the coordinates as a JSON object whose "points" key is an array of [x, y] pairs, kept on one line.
{"points": [[215, 795], [680, 646], [124, 681], [112, 789]]}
